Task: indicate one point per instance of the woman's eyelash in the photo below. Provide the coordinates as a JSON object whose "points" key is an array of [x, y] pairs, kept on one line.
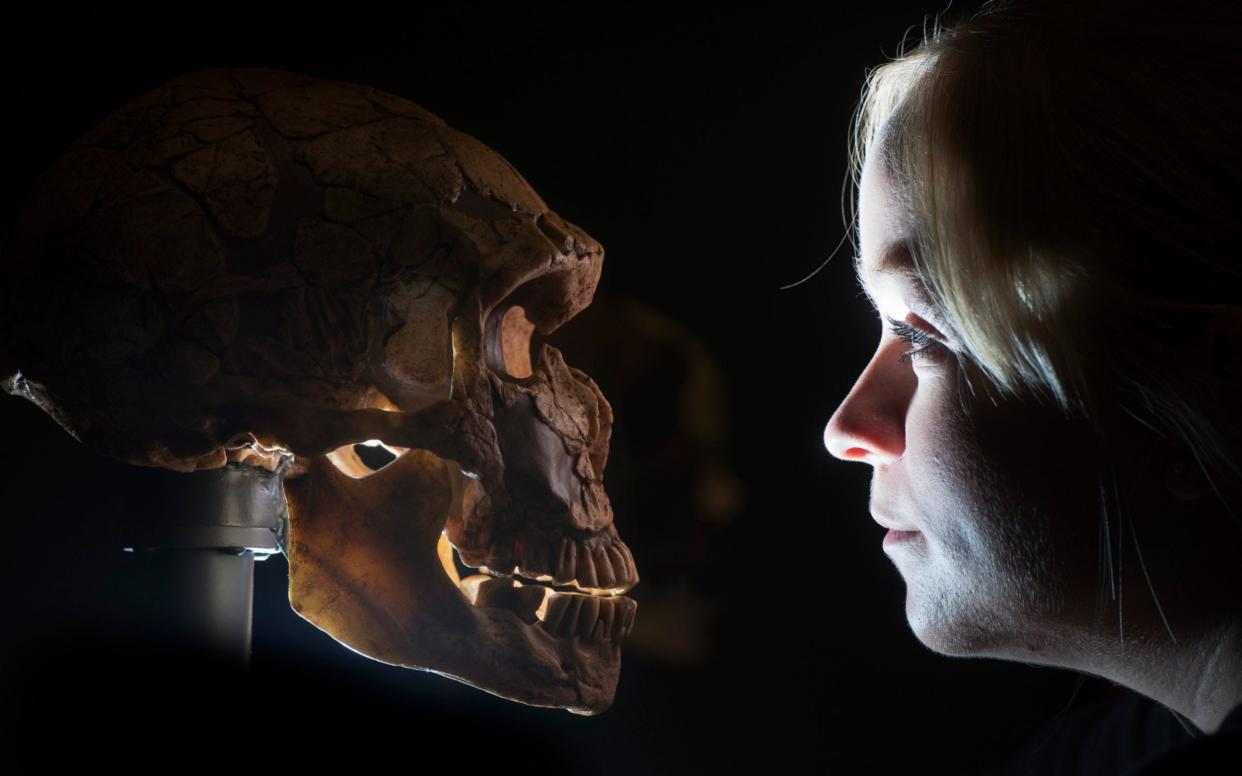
{"points": [[925, 345]]}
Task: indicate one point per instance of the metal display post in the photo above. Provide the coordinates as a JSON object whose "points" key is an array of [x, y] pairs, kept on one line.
{"points": [[194, 539]]}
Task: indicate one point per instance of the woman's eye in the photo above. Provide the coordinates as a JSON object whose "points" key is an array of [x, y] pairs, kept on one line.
{"points": [[925, 346]]}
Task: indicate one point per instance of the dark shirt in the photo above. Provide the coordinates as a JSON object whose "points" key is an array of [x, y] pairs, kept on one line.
{"points": [[1220, 752], [1131, 735]]}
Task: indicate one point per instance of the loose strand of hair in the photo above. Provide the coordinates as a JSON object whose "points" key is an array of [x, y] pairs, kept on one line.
{"points": [[1147, 577]]}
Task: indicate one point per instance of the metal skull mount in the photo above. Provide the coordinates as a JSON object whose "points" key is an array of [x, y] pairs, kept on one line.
{"points": [[252, 267]]}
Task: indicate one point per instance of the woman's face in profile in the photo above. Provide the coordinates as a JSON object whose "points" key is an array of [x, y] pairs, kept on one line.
{"points": [[1003, 498]]}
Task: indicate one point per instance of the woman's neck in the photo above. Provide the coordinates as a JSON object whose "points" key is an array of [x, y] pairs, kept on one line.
{"points": [[1199, 676]]}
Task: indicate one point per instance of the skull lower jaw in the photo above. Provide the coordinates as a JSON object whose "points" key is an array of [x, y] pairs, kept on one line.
{"points": [[523, 662], [363, 567]]}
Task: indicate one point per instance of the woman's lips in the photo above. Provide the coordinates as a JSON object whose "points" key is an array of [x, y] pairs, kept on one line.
{"points": [[890, 524], [894, 537]]}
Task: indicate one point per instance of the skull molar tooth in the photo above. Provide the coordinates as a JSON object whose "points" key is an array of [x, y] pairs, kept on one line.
{"points": [[470, 586], [528, 598], [530, 555], [567, 567], [588, 613], [603, 567], [632, 577], [620, 570], [469, 555], [631, 609], [569, 624], [518, 552], [557, 606], [500, 559], [535, 562], [618, 621], [496, 592], [607, 616], [586, 568]]}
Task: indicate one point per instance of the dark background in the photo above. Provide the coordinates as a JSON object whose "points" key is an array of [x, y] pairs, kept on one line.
{"points": [[706, 151]]}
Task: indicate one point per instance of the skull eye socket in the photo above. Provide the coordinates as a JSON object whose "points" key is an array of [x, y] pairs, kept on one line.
{"points": [[510, 341], [363, 459]]}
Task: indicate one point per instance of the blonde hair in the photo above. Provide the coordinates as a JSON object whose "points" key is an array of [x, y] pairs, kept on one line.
{"points": [[1069, 171]]}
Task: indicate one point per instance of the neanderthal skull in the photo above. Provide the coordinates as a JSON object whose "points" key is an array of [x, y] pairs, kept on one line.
{"points": [[252, 267]]}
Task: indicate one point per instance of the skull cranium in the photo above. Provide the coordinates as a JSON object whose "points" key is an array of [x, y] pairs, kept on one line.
{"points": [[252, 267]]}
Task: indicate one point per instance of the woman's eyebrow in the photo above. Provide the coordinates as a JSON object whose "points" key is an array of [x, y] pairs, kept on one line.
{"points": [[895, 261]]}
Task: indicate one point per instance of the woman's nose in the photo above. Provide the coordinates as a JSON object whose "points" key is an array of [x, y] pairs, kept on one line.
{"points": [[870, 423]]}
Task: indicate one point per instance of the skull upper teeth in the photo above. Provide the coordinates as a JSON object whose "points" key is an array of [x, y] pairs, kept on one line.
{"points": [[600, 564]]}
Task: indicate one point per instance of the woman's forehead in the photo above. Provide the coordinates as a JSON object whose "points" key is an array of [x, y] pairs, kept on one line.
{"points": [[882, 227], [884, 256]]}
